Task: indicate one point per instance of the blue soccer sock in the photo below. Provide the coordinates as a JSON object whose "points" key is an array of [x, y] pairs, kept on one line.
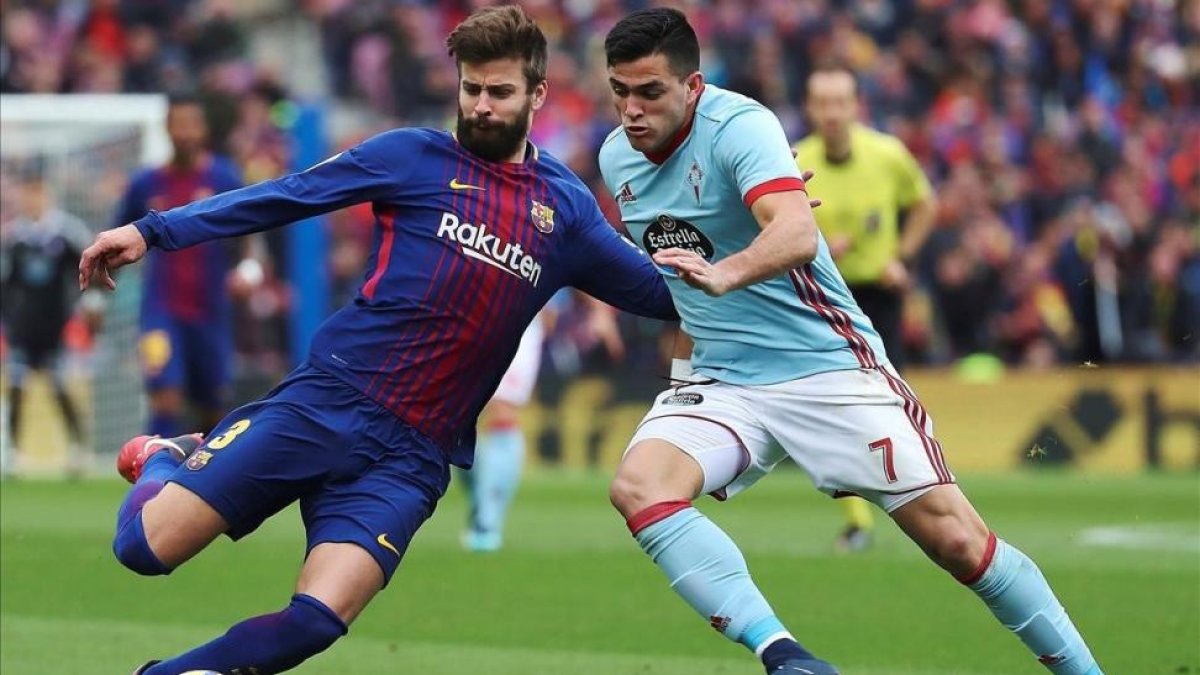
{"points": [[129, 544], [271, 643], [165, 424], [1013, 587], [495, 477], [706, 568], [155, 472]]}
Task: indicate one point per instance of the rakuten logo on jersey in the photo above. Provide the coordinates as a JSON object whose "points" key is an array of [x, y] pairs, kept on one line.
{"points": [[478, 243]]}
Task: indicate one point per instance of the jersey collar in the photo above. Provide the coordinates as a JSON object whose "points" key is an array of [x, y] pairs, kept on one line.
{"points": [[680, 136]]}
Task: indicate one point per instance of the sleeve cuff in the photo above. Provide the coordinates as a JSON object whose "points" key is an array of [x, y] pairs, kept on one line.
{"points": [[774, 185], [148, 226]]}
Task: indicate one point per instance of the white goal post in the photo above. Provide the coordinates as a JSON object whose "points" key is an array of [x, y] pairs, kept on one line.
{"points": [[85, 146]]}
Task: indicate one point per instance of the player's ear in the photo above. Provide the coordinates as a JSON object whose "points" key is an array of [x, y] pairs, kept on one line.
{"points": [[694, 83], [539, 94]]}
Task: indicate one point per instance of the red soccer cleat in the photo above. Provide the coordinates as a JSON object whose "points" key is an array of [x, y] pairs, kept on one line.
{"points": [[138, 449]]}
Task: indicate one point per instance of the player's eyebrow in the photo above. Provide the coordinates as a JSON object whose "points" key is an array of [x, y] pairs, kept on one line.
{"points": [[493, 89], [642, 89]]}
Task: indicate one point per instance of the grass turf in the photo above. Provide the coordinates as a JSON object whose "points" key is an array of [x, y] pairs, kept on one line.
{"points": [[570, 592]]}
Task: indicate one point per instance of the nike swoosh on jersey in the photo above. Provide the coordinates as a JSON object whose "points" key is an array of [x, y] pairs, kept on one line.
{"points": [[382, 539], [455, 185]]}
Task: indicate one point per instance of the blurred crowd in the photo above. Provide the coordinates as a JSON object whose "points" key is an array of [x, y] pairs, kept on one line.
{"points": [[1062, 136]]}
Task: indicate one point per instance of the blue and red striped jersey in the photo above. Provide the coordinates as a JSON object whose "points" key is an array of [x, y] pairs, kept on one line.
{"points": [[187, 284], [465, 253]]}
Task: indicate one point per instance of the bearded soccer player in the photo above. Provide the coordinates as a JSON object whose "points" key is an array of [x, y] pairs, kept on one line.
{"points": [[474, 233], [872, 248], [783, 358]]}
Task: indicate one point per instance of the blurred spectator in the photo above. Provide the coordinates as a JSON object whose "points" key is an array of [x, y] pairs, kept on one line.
{"points": [[1020, 111]]}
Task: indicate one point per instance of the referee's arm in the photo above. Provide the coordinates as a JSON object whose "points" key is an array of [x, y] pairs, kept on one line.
{"points": [[918, 222]]}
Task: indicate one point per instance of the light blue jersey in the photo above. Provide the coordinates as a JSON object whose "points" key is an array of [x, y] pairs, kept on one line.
{"points": [[697, 196]]}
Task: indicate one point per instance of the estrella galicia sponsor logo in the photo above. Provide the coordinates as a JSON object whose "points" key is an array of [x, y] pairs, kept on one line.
{"points": [[476, 242], [684, 398], [668, 231]]}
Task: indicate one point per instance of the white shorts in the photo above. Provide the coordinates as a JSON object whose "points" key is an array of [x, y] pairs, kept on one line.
{"points": [[516, 387], [854, 432]]}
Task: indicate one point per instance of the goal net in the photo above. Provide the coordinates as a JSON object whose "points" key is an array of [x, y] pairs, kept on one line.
{"points": [[85, 148]]}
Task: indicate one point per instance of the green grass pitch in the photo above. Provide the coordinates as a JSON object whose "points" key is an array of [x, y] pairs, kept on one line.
{"points": [[571, 593]]}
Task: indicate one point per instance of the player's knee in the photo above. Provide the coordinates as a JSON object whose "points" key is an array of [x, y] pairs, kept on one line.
{"points": [[648, 478], [632, 491], [167, 400], [133, 550], [629, 493], [958, 548]]}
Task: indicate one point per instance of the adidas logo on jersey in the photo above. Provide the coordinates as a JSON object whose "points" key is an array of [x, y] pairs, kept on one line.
{"points": [[478, 243], [626, 196]]}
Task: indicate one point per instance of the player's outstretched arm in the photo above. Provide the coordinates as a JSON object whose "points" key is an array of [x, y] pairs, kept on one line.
{"points": [[613, 269], [788, 240], [365, 173]]}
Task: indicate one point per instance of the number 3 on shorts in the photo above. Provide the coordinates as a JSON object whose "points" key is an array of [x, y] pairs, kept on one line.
{"points": [[230, 434]]}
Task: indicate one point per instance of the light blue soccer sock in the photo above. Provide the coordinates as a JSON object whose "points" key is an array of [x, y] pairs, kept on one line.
{"points": [[706, 568], [495, 477], [1014, 589]]}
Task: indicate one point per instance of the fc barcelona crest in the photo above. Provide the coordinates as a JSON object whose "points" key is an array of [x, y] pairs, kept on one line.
{"points": [[198, 460], [543, 217]]}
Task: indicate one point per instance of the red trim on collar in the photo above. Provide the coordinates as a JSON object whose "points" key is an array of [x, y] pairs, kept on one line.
{"points": [[680, 136]]}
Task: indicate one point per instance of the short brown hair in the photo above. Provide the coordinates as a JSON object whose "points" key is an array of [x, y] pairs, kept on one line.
{"points": [[833, 68], [502, 32]]}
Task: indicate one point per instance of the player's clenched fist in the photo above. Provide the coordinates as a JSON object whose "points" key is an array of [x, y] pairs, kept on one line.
{"points": [[112, 249]]}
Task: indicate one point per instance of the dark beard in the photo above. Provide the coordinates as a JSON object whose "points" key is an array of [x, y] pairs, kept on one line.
{"points": [[497, 141]]}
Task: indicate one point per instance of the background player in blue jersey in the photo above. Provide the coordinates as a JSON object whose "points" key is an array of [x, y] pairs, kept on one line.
{"points": [[475, 232], [783, 358], [186, 341]]}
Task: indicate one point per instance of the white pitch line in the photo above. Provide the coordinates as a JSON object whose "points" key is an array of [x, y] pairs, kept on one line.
{"points": [[1160, 536]]}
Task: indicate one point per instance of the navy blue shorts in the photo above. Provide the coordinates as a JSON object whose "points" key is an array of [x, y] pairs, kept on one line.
{"points": [[191, 357], [361, 474]]}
